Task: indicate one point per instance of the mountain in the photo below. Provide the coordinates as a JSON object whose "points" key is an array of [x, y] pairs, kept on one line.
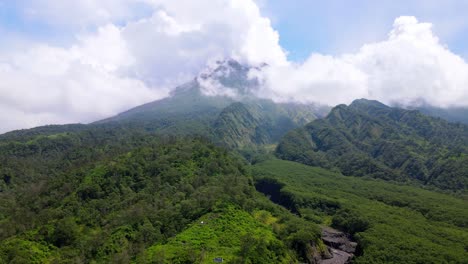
{"points": [[120, 194], [259, 122], [134, 187], [221, 103], [164, 182], [212, 90], [368, 138]]}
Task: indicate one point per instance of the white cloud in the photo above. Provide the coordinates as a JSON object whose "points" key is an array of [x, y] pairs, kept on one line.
{"points": [[80, 14], [58, 85], [410, 66], [127, 52], [123, 56], [320, 78], [413, 65]]}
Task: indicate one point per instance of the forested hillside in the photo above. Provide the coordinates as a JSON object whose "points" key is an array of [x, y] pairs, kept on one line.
{"points": [[231, 131], [123, 191], [119, 195], [259, 122], [171, 182], [370, 139]]}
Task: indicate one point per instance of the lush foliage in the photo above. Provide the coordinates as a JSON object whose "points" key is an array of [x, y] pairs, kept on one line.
{"points": [[392, 223], [368, 138], [137, 187], [259, 122], [113, 209], [228, 233], [107, 194]]}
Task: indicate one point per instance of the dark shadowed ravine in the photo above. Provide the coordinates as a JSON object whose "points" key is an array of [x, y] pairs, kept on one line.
{"points": [[340, 247]]}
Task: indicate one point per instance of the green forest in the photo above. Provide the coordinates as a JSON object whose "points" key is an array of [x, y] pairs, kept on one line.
{"points": [[161, 184], [370, 139], [392, 223], [130, 198]]}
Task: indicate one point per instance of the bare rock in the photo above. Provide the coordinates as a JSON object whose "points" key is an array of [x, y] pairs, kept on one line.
{"points": [[339, 245], [338, 240]]}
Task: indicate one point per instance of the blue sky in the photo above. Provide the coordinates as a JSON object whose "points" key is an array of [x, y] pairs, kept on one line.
{"points": [[340, 26]]}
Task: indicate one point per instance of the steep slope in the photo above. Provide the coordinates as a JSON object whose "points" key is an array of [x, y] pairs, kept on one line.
{"points": [[187, 100], [186, 112], [368, 138], [212, 90], [259, 122], [221, 104]]}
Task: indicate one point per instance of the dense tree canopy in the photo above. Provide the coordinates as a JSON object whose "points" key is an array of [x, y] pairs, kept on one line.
{"points": [[108, 195], [368, 138], [391, 223]]}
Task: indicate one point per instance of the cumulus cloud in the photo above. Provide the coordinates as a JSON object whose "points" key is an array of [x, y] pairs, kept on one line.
{"points": [[127, 52], [63, 85], [320, 79], [411, 66], [124, 53]]}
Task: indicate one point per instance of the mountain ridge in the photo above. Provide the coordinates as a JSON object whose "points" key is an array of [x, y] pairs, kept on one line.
{"points": [[215, 100], [369, 138]]}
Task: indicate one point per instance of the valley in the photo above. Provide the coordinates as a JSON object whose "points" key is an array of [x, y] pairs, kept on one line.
{"points": [[391, 223]]}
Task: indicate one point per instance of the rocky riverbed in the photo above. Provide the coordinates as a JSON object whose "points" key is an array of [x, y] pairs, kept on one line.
{"points": [[340, 247]]}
